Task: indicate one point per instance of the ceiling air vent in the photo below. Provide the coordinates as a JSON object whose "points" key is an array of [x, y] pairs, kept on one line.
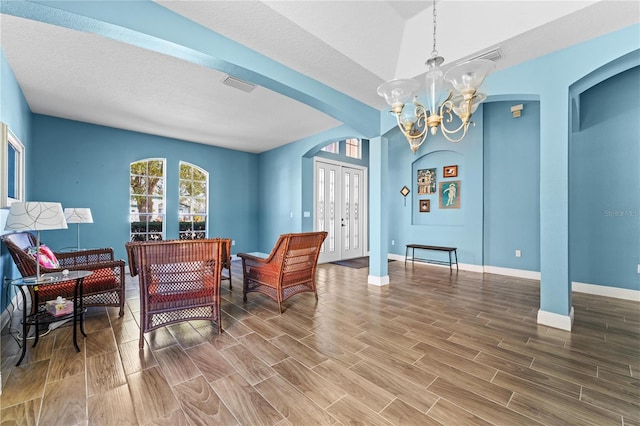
{"points": [[238, 84], [492, 55]]}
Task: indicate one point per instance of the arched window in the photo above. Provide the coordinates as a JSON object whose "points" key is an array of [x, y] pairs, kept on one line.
{"points": [[333, 148], [194, 194], [147, 200]]}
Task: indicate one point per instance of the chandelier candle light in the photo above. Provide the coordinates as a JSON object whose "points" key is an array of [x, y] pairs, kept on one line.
{"points": [[414, 120]]}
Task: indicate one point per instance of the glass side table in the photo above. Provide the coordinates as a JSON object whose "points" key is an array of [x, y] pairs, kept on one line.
{"points": [[40, 316]]}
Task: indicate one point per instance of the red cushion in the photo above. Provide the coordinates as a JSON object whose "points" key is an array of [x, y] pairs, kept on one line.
{"points": [[186, 291], [102, 280]]}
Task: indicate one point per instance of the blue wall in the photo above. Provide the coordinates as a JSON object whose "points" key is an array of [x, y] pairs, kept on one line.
{"points": [[605, 184], [461, 228], [85, 165], [512, 185], [252, 197], [15, 113], [550, 78], [285, 185]]}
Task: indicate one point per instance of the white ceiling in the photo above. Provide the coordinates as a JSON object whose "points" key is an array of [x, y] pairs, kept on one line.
{"points": [[350, 46]]}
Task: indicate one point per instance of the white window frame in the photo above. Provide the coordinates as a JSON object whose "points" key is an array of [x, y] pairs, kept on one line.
{"points": [[351, 146], [162, 203], [7, 138], [332, 148], [206, 201]]}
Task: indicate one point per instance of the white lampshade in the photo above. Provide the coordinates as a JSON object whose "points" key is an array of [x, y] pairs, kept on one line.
{"points": [[35, 216], [78, 215]]}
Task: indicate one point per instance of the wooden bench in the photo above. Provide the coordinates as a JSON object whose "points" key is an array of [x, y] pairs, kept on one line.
{"points": [[413, 247]]}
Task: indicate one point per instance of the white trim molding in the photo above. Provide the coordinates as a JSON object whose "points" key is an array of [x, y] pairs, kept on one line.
{"points": [[519, 273], [470, 267], [551, 319], [603, 290], [378, 281]]}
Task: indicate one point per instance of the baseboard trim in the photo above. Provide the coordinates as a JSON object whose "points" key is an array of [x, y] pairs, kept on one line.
{"points": [[471, 268], [551, 319], [378, 281], [603, 290], [518, 273], [578, 287]]}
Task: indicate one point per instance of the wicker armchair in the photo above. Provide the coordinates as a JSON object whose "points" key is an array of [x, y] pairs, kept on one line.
{"points": [[105, 287], [179, 281], [289, 269]]}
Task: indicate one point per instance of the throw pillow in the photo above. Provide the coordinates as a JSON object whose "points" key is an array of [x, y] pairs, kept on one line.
{"points": [[46, 258]]}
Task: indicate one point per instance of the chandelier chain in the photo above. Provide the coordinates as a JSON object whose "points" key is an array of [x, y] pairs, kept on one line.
{"points": [[434, 52]]}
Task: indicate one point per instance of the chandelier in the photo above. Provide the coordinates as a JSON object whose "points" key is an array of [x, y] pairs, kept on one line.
{"points": [[415, 120]]}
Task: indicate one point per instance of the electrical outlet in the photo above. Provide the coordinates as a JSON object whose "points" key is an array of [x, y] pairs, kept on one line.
{"points": [[518, 253], [233, 242], [393, 243], [639, 268]]}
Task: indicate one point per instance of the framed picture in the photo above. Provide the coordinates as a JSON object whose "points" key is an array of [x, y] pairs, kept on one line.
{"points": [[450, 194], [450, 171], [427, 181], [425, 206]]}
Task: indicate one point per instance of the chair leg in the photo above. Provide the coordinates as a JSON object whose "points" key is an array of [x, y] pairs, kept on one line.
{"points": [[245, 285]]}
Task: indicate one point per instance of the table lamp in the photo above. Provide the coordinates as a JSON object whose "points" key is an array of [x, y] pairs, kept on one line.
{"points": [[78, 215], [35, 216]]}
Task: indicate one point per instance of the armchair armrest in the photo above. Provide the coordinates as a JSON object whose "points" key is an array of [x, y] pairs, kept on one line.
{"points": [[113, 264], [259, 258], [260, 269]]}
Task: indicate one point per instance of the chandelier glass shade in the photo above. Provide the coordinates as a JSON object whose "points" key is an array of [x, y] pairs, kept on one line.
{"points": [[453, 92]]}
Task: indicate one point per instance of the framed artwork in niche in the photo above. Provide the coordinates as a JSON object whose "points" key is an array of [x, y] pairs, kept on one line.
{"points": [[450, 194], [426, 181], [450, 171], [425, 206]]}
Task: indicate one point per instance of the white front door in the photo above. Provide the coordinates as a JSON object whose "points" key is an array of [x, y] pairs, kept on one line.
{"points": [[340, 209]]}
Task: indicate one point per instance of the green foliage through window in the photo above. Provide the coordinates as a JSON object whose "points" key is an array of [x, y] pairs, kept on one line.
{"points": [[193, 193], [147, 200]]}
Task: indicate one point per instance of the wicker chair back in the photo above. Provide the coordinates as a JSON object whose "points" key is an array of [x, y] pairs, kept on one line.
{"points": [[179, 281], [289, 269]]}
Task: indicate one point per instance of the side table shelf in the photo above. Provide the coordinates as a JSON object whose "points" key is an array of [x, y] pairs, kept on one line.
{"points": [[41, 316]]}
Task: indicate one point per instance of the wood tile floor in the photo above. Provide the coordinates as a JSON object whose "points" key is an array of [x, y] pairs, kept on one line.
{"points": [[432, 348]]}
